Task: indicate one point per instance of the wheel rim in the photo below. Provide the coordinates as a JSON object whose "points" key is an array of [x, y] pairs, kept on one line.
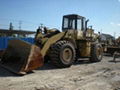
{"points": [[67, 55]]}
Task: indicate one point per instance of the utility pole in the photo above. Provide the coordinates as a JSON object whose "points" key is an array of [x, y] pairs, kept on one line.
{"points": [[41, 25], [20, 25], [11, 26], [114, 34], [101, 31]]}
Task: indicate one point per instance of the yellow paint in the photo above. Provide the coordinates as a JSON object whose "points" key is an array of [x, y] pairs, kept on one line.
{"points": [[51, 41], [86, 49]]}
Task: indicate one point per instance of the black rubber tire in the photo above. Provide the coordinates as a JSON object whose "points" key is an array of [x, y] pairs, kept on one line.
{"points": [[94, 56], [57, 51], [46, 59]]}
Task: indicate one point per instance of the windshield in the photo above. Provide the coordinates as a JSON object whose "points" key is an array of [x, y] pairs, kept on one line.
{"points": [[69, 23], [72, 23]]}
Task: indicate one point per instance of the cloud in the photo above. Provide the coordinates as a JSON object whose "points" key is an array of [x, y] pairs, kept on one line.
{"points": [[112, 23], [115, 24], [118, 24]]}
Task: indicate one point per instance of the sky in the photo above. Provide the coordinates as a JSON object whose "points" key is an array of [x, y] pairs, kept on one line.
{"points": [[104, 15]]}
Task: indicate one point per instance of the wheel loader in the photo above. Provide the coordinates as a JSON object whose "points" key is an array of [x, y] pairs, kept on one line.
{"points": [[110, 45], [62, 49]]}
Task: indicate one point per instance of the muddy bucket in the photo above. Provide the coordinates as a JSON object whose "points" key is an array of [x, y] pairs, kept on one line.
{"points": [[21, 57]]}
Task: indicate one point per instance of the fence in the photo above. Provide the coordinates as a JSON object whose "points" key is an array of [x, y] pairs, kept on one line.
{"points": [[4, 41]]}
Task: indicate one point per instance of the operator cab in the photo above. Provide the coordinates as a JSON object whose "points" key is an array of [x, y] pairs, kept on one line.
{"points": [[74, 22]]}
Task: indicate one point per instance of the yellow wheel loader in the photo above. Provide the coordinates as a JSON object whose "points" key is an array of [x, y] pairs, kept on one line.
{"points": [[60, 48]]}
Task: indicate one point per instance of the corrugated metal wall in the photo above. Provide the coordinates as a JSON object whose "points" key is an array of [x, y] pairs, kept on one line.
{"points": [[4, 41]]}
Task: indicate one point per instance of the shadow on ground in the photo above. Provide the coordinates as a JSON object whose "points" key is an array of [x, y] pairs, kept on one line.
{"points": [[108, 55], [5, 73], [50, 66], [116, 61], [47, 66]]}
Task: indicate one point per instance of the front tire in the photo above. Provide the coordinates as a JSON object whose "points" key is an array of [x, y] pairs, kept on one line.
{"points": [[62, 54]]}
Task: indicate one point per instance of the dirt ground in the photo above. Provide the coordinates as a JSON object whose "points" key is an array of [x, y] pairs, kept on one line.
{"points": [[83, 75]]}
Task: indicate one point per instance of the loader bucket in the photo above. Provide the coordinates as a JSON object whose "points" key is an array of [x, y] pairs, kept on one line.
{"points": [[21, 57]]}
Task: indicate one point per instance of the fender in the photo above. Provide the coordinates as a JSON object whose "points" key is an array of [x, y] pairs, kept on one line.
{"points": [[51, 41]]}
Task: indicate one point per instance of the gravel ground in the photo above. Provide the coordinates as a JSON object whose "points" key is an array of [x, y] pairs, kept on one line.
{"points": [[104, 75]]}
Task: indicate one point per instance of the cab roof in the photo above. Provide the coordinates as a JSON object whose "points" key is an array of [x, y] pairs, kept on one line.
{"points": [[73, 16]]}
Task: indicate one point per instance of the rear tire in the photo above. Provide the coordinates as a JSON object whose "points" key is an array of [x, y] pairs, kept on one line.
{"points": [[96, 53], [62, 54]]}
